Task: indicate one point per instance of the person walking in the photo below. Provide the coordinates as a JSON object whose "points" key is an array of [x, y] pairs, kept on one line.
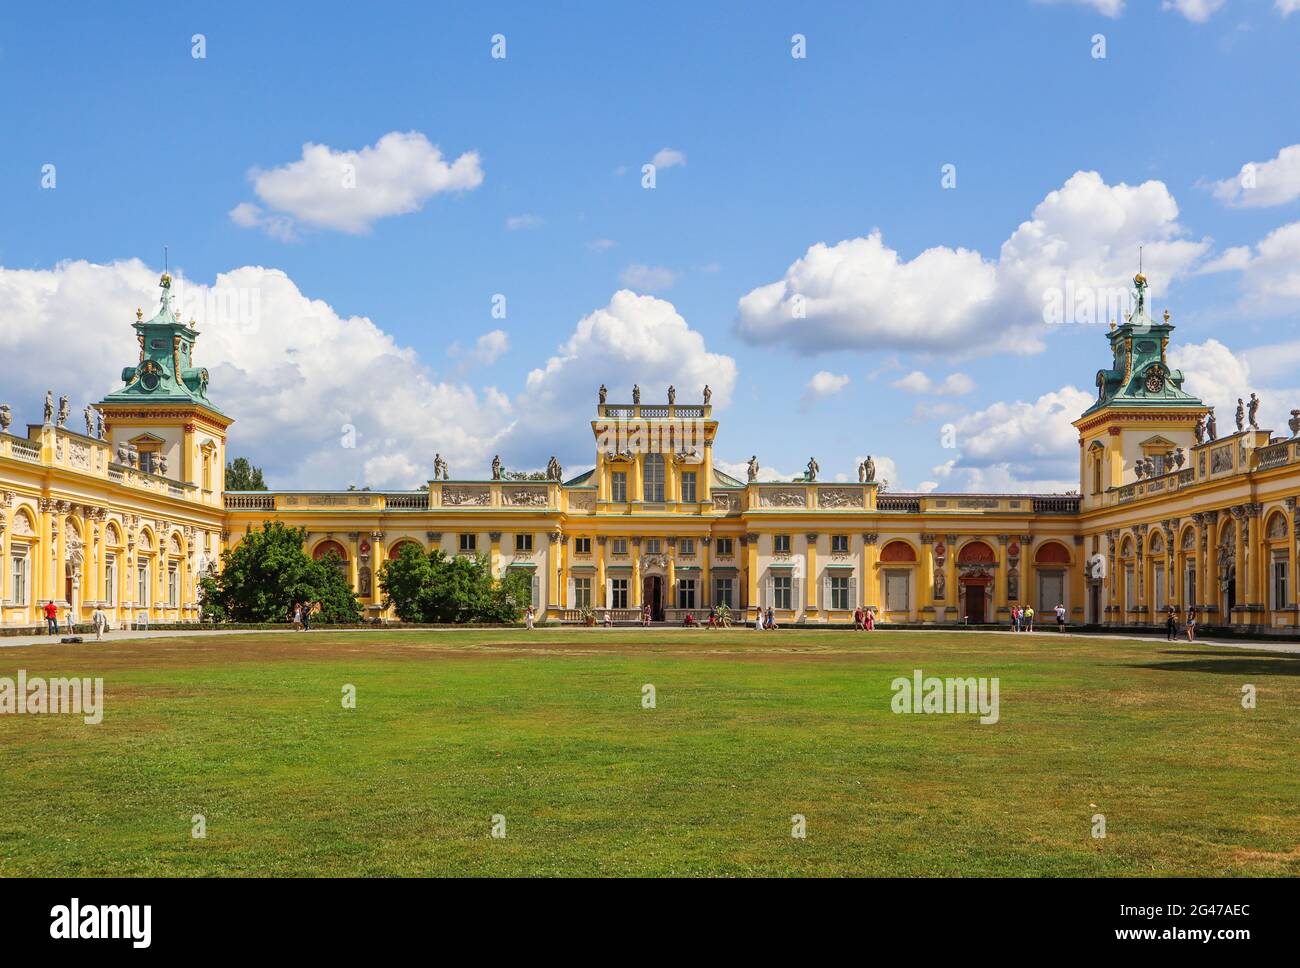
{"points": [[297, 617], [1027, 618], [1060, 617], [99, 621], [1191, 623], [645, 616], [307, 609], [1015, 618], [859, 620], [871, 619], [528, 617], [51, 613], [771, 619], [758, 618], [1171, 623]]}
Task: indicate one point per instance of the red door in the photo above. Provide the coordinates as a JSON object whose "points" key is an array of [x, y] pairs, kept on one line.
{"points": [[975, 604]]}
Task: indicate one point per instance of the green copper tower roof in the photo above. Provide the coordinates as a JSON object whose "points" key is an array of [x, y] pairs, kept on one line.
{"points": [[165, 373], [1139, 375]]}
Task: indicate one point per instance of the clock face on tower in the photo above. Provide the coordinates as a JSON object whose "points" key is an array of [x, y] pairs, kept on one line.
{"points": [[1155, 381], [149, 375]]}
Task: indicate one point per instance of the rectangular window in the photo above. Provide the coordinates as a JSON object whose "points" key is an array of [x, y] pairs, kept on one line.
{"points": [[840, 593], [653, 478], [898, 586], [469, 542], [142, 585], [620, 546], [582, 546], [582, 593], [1190, 597], [173, 587], [652, 546], [722, 593], [110, 580], [724, 547], [688, 486], [781, 587], [18, 577], [523, 542], [686, 547], [1130, 588], [1279, 582], [618, 486], [781, 544], [618, 593], [839, 544], [686, 593]]}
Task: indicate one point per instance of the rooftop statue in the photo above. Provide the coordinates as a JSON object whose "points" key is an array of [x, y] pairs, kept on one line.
{"points": [[753, 468], [6, 418], [1253, 410], [672, 394], [496, 468], [603, 393], [708, 394], [64, 411], [49, 407], [1212, 426], [636, 393], [813, 468], [1241, 415], [869, 469]]}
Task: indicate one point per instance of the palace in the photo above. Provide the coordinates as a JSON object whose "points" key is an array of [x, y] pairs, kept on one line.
{"points": [[127, 515]]}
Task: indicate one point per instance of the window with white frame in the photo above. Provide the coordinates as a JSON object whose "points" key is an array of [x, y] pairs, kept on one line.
{"points": [[1190, 598], [618, 486], [469, 542], [653, 478], [173, 586], [1280, 577], [582, 593], [620, 546], [686, 547], [652, 546], [142, 584], [781, 544], [582, 546], [523, 542], [110, 579], [686, 593], [839, 544], [18, 575], [722, 592], [782, 591], [618, 593], [688, 486], [840, 592], [724, 547]]}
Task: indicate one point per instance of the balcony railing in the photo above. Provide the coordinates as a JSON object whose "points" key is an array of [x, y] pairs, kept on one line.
{"points": [[902, 505], [250, 502], [1056, 505]]}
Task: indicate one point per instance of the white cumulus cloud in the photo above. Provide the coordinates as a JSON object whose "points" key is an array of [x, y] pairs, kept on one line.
{"points": [[1261, 184], [669, 158], [1197, 11], [861, 294], [649, 278], [350, 190]]}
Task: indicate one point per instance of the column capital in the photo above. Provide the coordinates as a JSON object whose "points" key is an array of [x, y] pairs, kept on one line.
{"points": [[811, 536], [433, 535], [927, 538], [870, 537], [496, 536]]}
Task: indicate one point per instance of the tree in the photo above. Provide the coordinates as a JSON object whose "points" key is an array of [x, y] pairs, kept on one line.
{"points": [[243, 476], [457, 589], [267, 573]]}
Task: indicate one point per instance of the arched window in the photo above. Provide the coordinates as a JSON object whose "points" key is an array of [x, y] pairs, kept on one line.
{"points": [[897, 551], [1052, 553], [653, 478], [976, 553]]}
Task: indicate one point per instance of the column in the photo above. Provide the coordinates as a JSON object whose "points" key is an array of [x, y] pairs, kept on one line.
{"points": [[598, 594], [870, 593], [1291, 556], [1029, 577], [1173, 590], [950, 578], [636, 475], [378, 555], [554, 573], [1239, 533], [670, 578], [1001, 577], [1256, 576], [706, 588], [494, 552], [5, 592], [634, 593], [354, 560], [925, 594], [704, 486], [750, 541], [1078, 588], [810, 563]]}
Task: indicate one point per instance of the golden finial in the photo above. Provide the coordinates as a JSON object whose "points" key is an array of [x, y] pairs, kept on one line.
{"points": [[1139, 280], [1112, 324], [1166, 315], [139, 313]]}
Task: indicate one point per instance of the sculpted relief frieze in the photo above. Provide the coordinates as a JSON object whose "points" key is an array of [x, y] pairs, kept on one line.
{"points": [[524, 497], [840, 497], [782, 497], [466, 496]]}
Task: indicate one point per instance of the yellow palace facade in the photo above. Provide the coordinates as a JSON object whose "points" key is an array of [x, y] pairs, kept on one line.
{"points": [[128, 514]]}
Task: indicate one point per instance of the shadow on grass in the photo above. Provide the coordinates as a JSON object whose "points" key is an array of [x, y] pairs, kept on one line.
{"points": [[1229, 663]]}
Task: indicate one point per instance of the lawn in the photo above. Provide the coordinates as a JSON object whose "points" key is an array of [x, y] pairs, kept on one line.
{"points": [[548, 729]]}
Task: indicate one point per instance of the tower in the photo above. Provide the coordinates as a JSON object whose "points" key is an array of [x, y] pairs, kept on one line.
{"points": [[1141, 411], [163, 410]]}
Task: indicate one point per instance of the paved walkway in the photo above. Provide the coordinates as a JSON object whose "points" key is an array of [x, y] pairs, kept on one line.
{"points": [[1260, 645]]}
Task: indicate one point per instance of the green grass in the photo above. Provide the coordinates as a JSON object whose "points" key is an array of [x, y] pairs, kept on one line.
{"points": [[548, 729]]}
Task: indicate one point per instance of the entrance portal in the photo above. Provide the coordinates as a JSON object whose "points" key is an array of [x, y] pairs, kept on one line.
{"points": [[652, 594], [973, 598]]}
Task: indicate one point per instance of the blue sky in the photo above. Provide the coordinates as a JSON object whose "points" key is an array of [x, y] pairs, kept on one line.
{"points": [[152, 146]]}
